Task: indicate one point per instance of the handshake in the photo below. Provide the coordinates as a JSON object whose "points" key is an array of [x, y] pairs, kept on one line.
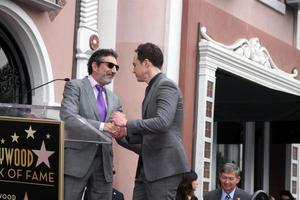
{"points": [[116, 126]]}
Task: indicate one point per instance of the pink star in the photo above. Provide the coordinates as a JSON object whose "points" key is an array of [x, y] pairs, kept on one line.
{"points": [[43, 155]]}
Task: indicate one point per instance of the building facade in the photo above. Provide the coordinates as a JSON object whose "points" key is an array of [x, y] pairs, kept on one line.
{"points": [[246, 55]]}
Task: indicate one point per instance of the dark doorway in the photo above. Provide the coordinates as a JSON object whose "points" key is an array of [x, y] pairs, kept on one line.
{"points": [[14, 78], [238, 101]]}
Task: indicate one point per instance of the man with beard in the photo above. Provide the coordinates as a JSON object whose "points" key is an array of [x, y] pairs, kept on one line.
{"points": [[90, 165]]}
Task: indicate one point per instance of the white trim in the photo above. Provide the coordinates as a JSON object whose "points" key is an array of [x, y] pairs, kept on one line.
{"points": [[298, 169], [88, 25], [108, 13], [292, 177], [288, 167], [214, 173], [172, 38], [206, 73], [225, 58], [275, 4], [33, 48], [298, 30], [266, 157], [249, 156]]}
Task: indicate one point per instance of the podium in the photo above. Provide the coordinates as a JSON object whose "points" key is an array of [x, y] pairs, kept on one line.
{"points": [[31, 149]]}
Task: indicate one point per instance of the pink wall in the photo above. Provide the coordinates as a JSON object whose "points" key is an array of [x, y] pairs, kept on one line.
{"points": [[260, 16], [138, 22], [58, 36]]}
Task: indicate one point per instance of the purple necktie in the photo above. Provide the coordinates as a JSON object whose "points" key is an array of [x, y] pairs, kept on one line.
{"points": [[101, 103]]}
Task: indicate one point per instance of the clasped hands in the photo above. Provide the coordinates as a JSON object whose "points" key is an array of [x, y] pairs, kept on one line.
{"points": [[116, 125]]}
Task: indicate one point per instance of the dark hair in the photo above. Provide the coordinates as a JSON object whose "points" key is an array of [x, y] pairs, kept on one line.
{"points": [[98, 55], [286, 193], [260, 195], [151, 52], [185, 186]]}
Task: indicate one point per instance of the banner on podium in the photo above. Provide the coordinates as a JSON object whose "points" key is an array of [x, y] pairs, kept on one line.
{"points": [[31, 159]]}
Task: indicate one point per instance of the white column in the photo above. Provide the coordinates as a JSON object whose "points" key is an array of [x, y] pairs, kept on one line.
{"points": [[207, 76], [298, 169], [266, 157], [172, 38], [288, 168], [88, 25], [249, 156], [108, 13], [298, 30]]}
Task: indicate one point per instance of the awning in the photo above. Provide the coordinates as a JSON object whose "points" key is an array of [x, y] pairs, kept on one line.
{"points": [[238, 99]]}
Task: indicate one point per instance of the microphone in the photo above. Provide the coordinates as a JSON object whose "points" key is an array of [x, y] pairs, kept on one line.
{"points": [[57, 79]]}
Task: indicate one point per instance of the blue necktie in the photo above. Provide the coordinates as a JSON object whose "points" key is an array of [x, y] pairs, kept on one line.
{"points": [[101, 103], [227, 197]]}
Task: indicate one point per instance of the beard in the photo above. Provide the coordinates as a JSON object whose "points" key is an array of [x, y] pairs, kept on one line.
{"points": [[107, 79]]}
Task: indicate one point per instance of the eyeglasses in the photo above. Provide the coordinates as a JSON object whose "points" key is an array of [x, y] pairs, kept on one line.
{"points": [[110, 65]]}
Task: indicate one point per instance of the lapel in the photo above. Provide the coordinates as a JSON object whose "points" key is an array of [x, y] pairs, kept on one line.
{"points": [[91, 96], [236, 193], [152, 91], [219, 193]]}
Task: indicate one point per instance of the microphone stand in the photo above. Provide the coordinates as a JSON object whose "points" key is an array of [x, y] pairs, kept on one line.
{"points": [[58, 79], [39, 86]]}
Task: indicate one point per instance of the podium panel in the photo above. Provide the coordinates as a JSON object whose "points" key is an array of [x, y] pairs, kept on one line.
{"points": [[31, 158], [32, 141]]}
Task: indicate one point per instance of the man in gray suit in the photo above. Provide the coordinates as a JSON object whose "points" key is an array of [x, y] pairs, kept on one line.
{"points": [[229, 177], [162, 159], [90, 164]]}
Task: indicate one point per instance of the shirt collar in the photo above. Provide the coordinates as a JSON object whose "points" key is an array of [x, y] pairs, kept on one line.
{"points": [[92, 81], [231, 193], [153, 79]]}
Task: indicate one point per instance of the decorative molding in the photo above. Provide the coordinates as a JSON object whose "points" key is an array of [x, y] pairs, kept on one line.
{"points": [[54, 13], [252, 50], [88, 27], [34, 51], [89, 14], [44, 5]]}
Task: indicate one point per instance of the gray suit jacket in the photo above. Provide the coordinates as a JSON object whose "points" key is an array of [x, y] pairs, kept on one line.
{"points": [[79, 99], [217, 194], [161, 149]]}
